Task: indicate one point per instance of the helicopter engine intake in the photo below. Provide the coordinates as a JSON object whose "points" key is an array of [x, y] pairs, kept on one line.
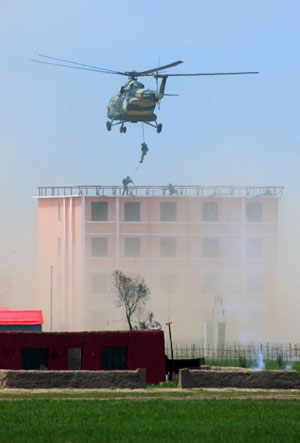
{"points": [[146, 94]]}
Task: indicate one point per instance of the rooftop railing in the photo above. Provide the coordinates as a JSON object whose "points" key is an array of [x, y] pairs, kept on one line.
{"points": [[160, 191]]}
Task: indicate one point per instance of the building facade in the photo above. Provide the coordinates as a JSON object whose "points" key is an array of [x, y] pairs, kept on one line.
{"points": [[208, 254]]}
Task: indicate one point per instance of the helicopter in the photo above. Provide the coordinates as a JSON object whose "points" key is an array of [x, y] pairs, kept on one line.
{"points": [[134, 103]]}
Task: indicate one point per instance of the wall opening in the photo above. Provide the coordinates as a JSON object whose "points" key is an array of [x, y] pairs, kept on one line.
{"points": [[210, 247], [210, 211], [132, 211], [254, 247], [99, 211], [168, 247], [132, 247], [74, 359], [99, 247], [35, 358], [254, 211], [114, 357], [168, 211]]}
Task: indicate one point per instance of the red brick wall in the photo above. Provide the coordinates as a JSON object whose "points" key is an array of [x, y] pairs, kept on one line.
{"points": [[145, 349]]}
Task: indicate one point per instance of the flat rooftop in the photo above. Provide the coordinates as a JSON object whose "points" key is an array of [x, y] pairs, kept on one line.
{"points": [[159, 191]]}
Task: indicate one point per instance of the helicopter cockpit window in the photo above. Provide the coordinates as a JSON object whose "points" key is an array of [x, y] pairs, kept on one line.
{"points": [[121, 90]]}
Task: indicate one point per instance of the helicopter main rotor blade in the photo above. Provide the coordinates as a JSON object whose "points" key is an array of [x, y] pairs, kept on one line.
{"points": [[96, 68], [159, 68], [76, 67], [208, 73]]}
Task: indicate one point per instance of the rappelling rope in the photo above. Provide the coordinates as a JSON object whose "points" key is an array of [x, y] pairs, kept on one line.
{"points": [[135, 170]]}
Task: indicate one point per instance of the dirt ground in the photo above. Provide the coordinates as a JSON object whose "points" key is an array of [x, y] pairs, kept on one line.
{"points": [[148, 394]]}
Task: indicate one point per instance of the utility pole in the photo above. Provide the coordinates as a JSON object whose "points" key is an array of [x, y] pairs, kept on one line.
{"points": [[171, 344], [51, 298]]}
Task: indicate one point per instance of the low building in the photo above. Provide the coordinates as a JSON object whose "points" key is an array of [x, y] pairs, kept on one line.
{"points": [[93, 351], [11, 320]]}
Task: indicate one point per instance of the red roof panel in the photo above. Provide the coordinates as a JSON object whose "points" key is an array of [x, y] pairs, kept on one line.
{"points": [[21, 317]]}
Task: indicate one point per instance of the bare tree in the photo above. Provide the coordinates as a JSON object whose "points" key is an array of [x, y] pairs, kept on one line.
{"points": [[132, 293]]}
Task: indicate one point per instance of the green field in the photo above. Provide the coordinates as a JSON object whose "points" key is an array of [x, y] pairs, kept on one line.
{"points": [[138, 418]]}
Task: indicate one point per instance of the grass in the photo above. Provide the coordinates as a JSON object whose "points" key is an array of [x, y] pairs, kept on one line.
{"points": [[296, 366], [165, 385], [150, 421]]}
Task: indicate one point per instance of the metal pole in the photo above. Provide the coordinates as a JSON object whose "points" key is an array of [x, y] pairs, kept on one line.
{"points": [[51, 297], [171, 344]]}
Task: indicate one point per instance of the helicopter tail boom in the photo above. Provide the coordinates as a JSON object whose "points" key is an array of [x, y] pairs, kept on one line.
{"points": [[161, 91]]}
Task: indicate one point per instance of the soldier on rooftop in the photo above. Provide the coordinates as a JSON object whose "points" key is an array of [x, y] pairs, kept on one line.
{"points": [[126, 182]]}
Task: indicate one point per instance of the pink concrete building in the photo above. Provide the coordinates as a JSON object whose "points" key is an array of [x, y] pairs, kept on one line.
{"points": [[207, 253]]}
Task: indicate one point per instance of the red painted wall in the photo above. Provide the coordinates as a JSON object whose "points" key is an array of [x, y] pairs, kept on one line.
{"points": [[145, 349]]}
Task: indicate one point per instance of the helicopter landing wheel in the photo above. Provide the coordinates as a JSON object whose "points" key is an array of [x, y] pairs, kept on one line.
{"points": [[159, 128], [123, 129], [108, 126]]}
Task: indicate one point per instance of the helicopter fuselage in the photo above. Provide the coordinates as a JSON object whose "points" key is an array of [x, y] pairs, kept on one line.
{"points": [[133, 103]]}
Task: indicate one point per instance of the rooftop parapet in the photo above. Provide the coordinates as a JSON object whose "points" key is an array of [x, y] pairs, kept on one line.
{"points": [[160, 191]]}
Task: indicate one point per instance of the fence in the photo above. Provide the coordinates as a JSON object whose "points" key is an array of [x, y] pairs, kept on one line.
{"points": [[237, 351], [176, 190]]}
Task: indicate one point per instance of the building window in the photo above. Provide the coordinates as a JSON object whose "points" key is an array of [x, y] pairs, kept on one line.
{"points": [[132, 211], [169, 284], [254, 247], [113, 358], [34, 358], [210, 247], [132, 247], [210, 283], [210, 211], [99, 211], [74, 359], [254, 211], [254, 283], [58, 246], [168, 211], [168, 247], [59, 211], [99, 247], [99, 283]]}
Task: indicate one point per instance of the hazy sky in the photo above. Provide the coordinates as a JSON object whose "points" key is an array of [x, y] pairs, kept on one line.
{"points": [[220, 130]]}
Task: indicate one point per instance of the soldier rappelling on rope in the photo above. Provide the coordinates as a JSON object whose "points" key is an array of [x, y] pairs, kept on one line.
{"points": [[144, 150]]}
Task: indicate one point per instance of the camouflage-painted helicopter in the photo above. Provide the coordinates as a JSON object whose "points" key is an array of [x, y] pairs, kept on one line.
{"points": [[133, 103]]}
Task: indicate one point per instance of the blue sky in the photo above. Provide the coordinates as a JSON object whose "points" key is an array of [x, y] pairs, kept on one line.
{"points": [[220, 130], [238, 130]]}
